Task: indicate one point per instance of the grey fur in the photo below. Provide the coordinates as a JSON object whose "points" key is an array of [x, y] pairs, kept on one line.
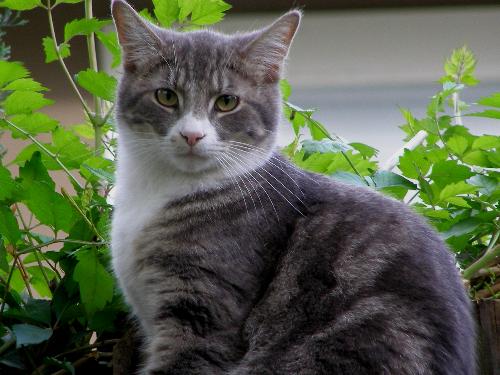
{"points": [[274, 270]]}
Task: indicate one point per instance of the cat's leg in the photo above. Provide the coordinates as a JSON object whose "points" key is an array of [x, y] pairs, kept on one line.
{"points": [[175, 350]]}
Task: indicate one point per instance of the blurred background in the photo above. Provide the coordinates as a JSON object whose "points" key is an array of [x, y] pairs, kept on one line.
{"points": [[356, 61]]}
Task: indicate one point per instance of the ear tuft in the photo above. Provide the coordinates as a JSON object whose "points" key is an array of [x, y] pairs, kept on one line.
{"points": [[268, 49], [137, 37]]}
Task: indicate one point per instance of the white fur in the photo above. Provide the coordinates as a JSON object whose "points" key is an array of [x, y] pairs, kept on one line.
{"points": [[145, 183]]}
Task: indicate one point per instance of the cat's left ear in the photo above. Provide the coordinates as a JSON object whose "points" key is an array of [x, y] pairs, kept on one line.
{"points": [[269, 47], [138, 38]]}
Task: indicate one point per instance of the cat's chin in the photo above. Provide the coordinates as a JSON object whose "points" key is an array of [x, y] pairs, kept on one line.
{"points": [[192, 163]]}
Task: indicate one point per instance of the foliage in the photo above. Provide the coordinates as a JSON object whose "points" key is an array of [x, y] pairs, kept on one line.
{"points": [[444, 172], [59, 304], [60, 308]]}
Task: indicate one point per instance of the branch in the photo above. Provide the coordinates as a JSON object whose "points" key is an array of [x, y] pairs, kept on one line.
{"points": [[63, 65], [484, 261], [93, 65], [36, 247], [410, 145], [44, 149]]}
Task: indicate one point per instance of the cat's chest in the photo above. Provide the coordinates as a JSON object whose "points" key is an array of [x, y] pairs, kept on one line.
{"points": [[130, 218]]}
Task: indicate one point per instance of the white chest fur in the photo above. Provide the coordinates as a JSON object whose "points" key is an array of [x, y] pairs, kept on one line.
{"points": [[142, 191]]}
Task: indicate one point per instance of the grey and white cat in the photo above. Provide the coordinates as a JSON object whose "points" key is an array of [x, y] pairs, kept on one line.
{"points": [[236, 262]]}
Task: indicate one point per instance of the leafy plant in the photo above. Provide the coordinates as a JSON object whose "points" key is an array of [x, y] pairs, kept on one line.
{"points": [[60, 309], [443, 171]]}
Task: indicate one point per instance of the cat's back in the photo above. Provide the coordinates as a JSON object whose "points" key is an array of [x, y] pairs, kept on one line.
{"points": [[370, 283]]}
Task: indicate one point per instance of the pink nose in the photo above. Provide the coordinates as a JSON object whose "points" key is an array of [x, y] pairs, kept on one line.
{"points": [[192, 137]]}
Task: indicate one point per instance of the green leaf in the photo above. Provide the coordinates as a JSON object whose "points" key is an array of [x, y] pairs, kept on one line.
{"points": [[110, 41], [100, 173], [8, 186], [486, 142], [34, 171], [285, 88], [96, 284], [493, 100], [24, 102], [449, 171], [365, 150], [208, 12], [457, 144], [455, 189], [71, 151], [33, 123], [24, 84], [83, 26], [84, 130], [10, 71], [461, 64], [432, 213], [385, 179], [20, 4], [324, 146], [49, 207], [27, 334], [97, 83], [348, 178], [397, 192], [489, 113], [35, 311], [38, 282], [4, 264], [68, 1], [50, 49], [486, 184], [477, 157], [166, 11], [413, 163], [462, 227], [9, 228], [458, 201]]}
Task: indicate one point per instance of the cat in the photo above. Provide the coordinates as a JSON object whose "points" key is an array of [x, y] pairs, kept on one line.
{"points": [[236, 262]]}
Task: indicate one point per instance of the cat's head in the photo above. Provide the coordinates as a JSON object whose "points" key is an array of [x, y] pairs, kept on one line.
{"points": [[200, 100]]}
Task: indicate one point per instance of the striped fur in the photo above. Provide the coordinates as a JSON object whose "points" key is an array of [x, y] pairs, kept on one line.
{"points": [[236, 262]]}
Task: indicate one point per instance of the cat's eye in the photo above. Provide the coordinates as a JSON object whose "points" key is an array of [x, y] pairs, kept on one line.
{"points": [[226, 103], [167, 97]]}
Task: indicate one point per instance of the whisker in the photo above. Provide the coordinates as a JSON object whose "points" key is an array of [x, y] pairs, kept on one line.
{"points": [[231, 176], [281, 183], [235, 147], [277, 191], [243, 182], [246, 173], [265, 191]]}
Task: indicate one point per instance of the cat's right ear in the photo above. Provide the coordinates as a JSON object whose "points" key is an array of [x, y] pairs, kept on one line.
{"points": [[137, 37]]}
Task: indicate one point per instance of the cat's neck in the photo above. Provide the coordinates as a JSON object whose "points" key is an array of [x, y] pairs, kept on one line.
{"points": [[150, 178]]}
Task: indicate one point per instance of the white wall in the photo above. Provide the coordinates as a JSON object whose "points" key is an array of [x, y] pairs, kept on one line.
{"points": [[357, 67]]}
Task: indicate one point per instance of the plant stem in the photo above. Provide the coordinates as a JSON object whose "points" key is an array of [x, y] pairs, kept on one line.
{"points": [[63, 65], [28, 235], [75, 205], [39, 246], [7, 286], [46, 150], [491, 253], [93, 65]]}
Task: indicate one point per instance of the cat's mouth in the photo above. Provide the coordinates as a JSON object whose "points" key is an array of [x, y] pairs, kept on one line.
{"points": [[193, 153]]}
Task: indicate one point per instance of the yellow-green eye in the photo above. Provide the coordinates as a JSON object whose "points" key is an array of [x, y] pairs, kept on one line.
{"points": [[226, 103], [167, 97]]}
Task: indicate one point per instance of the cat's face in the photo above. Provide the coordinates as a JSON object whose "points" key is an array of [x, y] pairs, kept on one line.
{"points": [[200, 100]]}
